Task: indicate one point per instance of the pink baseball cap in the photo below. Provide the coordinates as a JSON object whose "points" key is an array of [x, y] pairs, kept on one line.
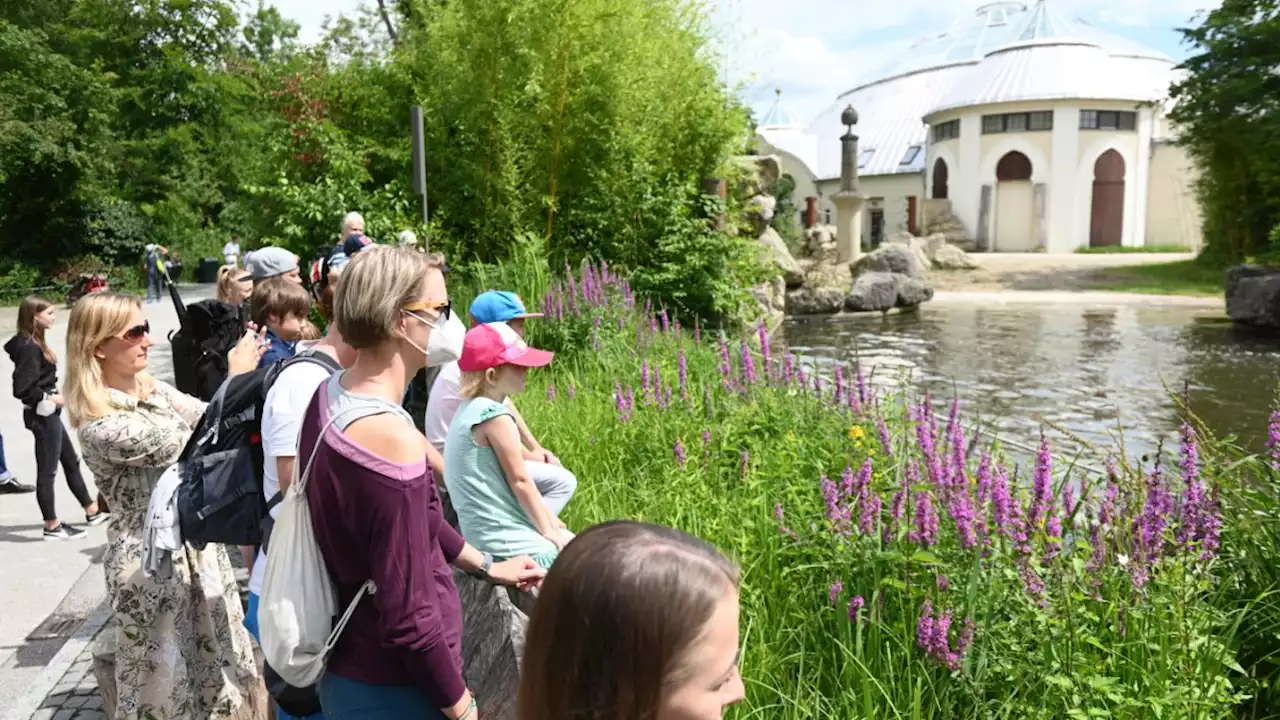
{"points": [[494, 344]]}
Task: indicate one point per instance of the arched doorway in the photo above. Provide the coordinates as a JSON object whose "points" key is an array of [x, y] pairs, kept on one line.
{"points": [[1015, 204], [940, 179], [1106, 220]]}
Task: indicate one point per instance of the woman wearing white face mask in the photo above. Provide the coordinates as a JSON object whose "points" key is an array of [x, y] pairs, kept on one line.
{"points": [[499, 507], [374, 507]]}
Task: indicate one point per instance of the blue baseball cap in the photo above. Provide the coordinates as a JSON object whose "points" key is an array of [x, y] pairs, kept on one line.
{"points": [[499, 306]]}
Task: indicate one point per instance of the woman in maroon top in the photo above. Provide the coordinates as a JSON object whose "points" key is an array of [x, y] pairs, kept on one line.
{"points": [[374, 505]]}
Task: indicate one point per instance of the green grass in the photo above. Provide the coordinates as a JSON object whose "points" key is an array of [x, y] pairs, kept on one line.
{"points": [[1184, 277], [1124, 249]]}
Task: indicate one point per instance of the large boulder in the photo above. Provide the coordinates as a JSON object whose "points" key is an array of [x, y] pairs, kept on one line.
{"points": [[815, 301], [759, 212], [950, 257], [772, 298], [1253, 296], [820, 243], [493, 632], [774, 250], [952, 230], [912, 292], [873, 291], [882, 291], [898, 259]]}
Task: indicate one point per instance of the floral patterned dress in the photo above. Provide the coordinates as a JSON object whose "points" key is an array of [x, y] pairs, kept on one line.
{"points": [[182, 651]]}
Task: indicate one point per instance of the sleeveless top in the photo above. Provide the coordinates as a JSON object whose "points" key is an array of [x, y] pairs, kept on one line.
{"points": [[489, 515]]}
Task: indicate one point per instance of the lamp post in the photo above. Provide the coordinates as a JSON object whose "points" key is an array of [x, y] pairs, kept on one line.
{"points": [[848, 201]]}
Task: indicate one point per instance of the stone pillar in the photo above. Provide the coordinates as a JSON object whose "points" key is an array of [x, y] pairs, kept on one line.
{"points": [[848, 226], [848, 201]]}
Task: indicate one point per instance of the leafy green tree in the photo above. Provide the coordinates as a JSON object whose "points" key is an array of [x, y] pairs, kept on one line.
{"points": [[1228, 107]]}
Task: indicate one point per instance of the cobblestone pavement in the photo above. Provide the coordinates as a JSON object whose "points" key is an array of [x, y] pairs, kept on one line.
{"points": [[75, 697]]}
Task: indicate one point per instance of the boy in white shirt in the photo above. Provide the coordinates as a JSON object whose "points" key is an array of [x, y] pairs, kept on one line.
{"points": [[231, 251]]}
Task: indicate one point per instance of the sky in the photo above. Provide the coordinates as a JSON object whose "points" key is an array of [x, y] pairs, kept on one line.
{"points": [[812, 50]]}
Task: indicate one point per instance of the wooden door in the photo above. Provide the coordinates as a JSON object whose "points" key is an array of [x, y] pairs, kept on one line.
{"points": [[1106, 219]]}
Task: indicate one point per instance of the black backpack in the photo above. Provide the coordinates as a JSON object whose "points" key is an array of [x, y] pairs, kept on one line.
{"points": [[210, 329], [219, 497]]}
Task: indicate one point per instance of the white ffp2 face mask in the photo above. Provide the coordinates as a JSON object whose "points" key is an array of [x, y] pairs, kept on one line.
{"points": [[444, 345]]}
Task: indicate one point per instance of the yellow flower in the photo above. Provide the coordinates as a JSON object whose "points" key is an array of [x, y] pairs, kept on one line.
{"points": [[856, 433]]}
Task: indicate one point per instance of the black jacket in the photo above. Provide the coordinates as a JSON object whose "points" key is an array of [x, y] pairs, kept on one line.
{"points": [[33, 375]]}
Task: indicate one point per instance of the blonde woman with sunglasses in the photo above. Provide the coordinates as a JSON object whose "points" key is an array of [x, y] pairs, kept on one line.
{"points": [[181, 647]]}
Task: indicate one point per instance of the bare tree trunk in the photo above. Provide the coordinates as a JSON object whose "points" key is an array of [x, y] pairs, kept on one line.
{"points": [[386, 18]]}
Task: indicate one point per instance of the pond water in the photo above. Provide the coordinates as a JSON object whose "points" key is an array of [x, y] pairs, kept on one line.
{"points": [[1101, 371]]}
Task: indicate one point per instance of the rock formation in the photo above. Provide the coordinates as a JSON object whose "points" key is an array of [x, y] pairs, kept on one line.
{"points": [[934, 251], [1253, 296], [888, 277], [952, 230]]}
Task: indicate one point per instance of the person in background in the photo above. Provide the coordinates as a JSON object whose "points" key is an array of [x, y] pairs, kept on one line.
{"points": [[500, 510], [231, 252], [282, 411], [374, 507], [270, 262], [408, 239], [281, 307], [234, 285], [35, 385], [555, 483], [154, 265], [181, 647], [352, 225], [9, 484], [634, 621]]}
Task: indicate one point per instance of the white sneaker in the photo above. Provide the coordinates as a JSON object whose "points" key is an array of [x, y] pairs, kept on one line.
{"points": [[63, 532]]}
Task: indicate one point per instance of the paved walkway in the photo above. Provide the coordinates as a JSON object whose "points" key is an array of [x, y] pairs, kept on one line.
{"points": [[1042, 272], [50, 586]]}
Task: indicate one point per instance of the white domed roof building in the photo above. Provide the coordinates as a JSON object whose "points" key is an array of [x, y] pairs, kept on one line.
{"points": [[1037, 132]]}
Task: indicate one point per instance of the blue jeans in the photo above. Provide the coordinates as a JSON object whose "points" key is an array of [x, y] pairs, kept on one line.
{"points": [[345, 699], [153, 283], [4, 469], [251, 624]]}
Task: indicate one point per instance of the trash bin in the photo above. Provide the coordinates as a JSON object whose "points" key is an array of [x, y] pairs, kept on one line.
{"points": [[175, 271], [207, 271]]}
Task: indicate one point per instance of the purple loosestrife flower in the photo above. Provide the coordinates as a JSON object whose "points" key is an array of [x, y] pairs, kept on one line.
{"points": [[788, 369], [631, 401], [666, 396], [897, 509], [551, 393], [961, 513], [1155, 516], [675, 326], [943, 583], [1041, 485], [644, 377], [838, 378], [653, 325], [778, 512], [666, 321], [682, 371], [1031, 581], [833, 592], [620, 323], [1273, 439], [964, 640], [984, 479], [925, 436], [1002, 502], [869, 505], [573, 391], [782, 528], [1053, 536], [801, 379], [864, 397], [619, 400], [924, 627], [1068, 501], [926, 519], [678, 451], [697, 332], [855, 608], [657, 385], [956, 471], [725, 366], [831, 499], [1191, 520], [886, 442], [849, 482], [748, 366], [1099, 557]]}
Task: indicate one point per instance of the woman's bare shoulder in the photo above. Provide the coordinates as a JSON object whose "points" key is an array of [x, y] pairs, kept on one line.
{"points": [[388, 436]]}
